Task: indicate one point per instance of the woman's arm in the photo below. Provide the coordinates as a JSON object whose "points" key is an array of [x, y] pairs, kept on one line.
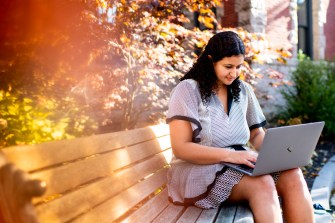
{"points": [[184, 148], [257, 137]]}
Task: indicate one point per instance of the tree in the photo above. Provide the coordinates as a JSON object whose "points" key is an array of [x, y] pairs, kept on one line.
{"points": [[115, 60], [157, 50]]}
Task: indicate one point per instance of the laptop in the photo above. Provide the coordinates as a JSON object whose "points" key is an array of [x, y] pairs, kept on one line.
{"points": [[284, 148]]}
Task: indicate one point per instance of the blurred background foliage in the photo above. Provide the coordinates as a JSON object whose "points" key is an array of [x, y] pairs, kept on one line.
{"points": [[28, 120], [71, 68], [312, 97]]}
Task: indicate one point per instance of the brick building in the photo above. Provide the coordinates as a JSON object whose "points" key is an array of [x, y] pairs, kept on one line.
{"points": [[290, 24]]}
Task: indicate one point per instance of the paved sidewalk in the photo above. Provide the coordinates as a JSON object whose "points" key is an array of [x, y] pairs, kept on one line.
{"points": [[321, 191]]}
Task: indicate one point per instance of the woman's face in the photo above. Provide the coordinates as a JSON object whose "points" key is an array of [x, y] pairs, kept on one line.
{"points": [[228, 69]]}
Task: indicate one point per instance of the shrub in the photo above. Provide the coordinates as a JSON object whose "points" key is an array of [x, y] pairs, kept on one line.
{"points": [[28, 120], [312, 97]]}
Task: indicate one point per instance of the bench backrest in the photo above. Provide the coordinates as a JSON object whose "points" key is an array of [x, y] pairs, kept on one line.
{"points": [[100, 178]]}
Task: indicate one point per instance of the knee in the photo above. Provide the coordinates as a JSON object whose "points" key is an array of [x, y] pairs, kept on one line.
{"points": [[266, 183], [291, 179], [263, 185]]}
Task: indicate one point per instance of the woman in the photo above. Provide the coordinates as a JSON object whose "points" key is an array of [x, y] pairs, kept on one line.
{"points": [[212, 116]]}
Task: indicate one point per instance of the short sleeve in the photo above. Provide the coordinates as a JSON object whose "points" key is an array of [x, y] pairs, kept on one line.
{"points": [[184, 105], [255, 116]]}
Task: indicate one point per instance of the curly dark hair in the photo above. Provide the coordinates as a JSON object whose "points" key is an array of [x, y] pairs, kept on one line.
{"points": [[223, 44]]}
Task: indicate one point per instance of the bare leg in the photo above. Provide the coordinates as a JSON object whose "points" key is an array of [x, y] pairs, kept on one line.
{"points": [[262, 196], [297, 203]]}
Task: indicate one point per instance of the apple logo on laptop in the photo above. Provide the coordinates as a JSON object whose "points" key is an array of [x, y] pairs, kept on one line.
{"points": [[289, 149]]}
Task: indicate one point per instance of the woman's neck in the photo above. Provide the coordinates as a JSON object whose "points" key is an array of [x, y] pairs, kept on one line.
{"points": [[221, 89]]}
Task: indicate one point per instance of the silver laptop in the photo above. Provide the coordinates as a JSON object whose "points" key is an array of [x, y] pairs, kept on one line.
{"points": [[284, 148]]}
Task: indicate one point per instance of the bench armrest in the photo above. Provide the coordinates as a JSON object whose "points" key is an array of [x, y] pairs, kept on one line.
{"points": [[16, 193]]}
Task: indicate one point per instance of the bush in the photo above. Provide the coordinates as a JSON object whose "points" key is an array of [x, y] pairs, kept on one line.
{"points": [[28, 120], [312, 97]]}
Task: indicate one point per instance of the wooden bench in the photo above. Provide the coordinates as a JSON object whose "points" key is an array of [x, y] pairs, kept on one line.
{"points": [[115, 177]]}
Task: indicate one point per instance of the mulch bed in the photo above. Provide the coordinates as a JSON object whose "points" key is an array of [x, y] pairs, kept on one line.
{"points": [[324, 151]]}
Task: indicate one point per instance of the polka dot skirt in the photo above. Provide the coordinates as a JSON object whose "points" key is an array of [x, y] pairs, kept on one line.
{"points": [[222, 188]]}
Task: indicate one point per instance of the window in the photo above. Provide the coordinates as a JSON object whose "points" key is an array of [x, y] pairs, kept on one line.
{"points": [[305, 27]]}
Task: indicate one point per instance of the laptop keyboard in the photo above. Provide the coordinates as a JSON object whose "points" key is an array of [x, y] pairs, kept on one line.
{"points": [[246, 168]]}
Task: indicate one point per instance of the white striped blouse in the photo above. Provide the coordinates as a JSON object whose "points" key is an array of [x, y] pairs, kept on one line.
{"points": [[211, 126]]}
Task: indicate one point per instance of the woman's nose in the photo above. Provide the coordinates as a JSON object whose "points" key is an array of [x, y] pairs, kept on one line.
{"points": [[234, 72]]}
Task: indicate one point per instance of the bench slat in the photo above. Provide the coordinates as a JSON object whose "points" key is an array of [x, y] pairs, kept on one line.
{"points": [[243, 212], [207, 216], [32, 157], [170, 214], [86, 198], [149, 210], [120, 204], [190, 215], [226, 214], [66, 177]]}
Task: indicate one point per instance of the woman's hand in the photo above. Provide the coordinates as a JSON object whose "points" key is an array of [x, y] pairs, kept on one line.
{"points": [[243, 157]]}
